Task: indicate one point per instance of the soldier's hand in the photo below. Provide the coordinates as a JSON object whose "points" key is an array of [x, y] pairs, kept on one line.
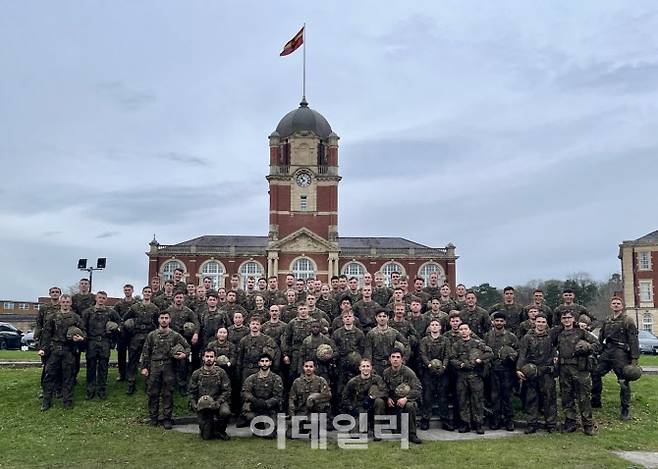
{"points": [[391, 403], [145, 372], [78, 338], [402, 402], [195, 338], [181, 356], [286, 360], [478, 361], [41, 353], [520, 375], [555, 360]]}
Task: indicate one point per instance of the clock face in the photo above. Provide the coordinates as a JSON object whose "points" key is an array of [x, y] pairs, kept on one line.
{"points": [[303, 179]]}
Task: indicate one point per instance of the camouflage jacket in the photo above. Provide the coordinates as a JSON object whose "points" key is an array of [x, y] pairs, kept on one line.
{"points": [[537, 349], [620, 332], [275, 330], [95, 320], [496, 340], [477, 319], [158, 345], [464, 353], [252, 347], [404, 375], [379, 343], [145, 317], [303, 387], [226, 348], [269, 388], [214, 383], [434, 349], [82, 301], [55, 328], [356, 391], [348, 341]]}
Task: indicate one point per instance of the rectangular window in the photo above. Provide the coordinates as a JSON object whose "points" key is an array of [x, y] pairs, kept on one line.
{"points": [[646, 291], [647, 322], [23, 306], [644, 260], [303, 203], [37, 306], [8, 305]]}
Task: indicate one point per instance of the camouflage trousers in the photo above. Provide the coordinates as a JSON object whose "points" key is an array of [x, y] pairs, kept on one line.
{"points": [[161, 384], [501, 386], [435, 391], [541, 389], [60, 370], [134, 354], [98, 360], [613, 359], [213, 421], [470, 390], [576, 386]]}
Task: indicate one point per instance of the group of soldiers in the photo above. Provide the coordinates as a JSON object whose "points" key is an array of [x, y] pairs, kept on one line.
{"points": [[339, 348]]}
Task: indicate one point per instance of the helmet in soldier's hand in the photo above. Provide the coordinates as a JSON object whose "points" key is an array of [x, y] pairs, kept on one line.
{"points": [[402, 390], [507, 352], [583, 347], [205, 402], [129, 325], [399, 345], [632, 372], [313, 398], [111, 327], [222, 360], [436, 367], [354, 359], [529, 370], [189, 328], [176, 349], [270, 351], [373, 391], [324, 352], [73, 331]]}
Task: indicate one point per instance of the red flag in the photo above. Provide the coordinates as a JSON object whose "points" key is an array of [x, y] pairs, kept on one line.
{"points": [[293, 44]]}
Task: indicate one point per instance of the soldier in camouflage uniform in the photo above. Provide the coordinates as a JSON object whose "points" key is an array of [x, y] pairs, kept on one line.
{"points": [[122, 338], [536, 348], [240, 297], [539, 304], [569, 297], [323, 366], [291, 345], [364, 309], [309, 393], [144, 315], [574, 347], [326, 302], [435, 312], [365, 393], [447, 302], [419, 293], [181, 314], [158, 366], [395, 375], [272, 295], [155, 286], [252, 347], [211, 319], [166, 299], [222, 346], [469, 356], [58, 348], [232, 306], [238, 329], [460, 295], [433, 289], [289, 311], [434, 346], [42, 315], [211, 380], [477, 318], [619, 339], [199, 302], [80, 302], [250, 294], [349, 340], [275, 328], [380, 341], [513, 311], [95, 321], [262, 393], [179, 284], [505, 348], [529, 324], [259, 308], [381, 294]]}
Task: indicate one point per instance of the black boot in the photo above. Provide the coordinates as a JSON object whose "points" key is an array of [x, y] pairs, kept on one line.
{"points": [[569, 426], [588, 430], [596, 402], [424, 424], [413, 438], [131, 389], [530, 429], [478, 429], [625, 413]]}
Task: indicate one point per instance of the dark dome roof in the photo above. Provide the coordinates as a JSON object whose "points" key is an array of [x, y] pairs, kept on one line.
{"points": [[303, 118]]}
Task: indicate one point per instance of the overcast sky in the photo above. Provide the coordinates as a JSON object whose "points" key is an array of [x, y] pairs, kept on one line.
{"points": [[526, 133]]}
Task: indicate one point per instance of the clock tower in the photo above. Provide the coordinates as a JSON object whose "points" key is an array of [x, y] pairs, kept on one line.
{"points": [[303, 177]]}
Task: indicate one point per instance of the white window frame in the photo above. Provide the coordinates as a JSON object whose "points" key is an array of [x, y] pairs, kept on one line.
{"points": [[23, 306], [245, 271], [167, 270], [427, 268], [347, 270], [8, 305], [308, 271], [217, 277], [303, 202], [644, 260], [647, 322], [645, 291], [387, 272]]}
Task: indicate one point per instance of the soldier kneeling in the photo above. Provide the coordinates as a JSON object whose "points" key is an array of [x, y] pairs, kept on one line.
{"points": [[309, 393], [365, 393], [210, 392], [262, 393]]}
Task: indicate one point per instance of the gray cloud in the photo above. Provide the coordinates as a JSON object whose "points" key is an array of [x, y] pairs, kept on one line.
{"points": [[639, 77], [183, 158], [127, 98], [107, 234]]}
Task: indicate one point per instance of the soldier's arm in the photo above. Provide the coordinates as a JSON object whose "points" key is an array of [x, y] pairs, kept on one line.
{"points": [[46, 336], [276, 400], [523, 350], [367, 347], [247, 390], [424, 351], [277, 352], [454, 360], [487, 354], [193, 389], [416, 387], [292, 398], [241, 347], [225, 392], [181, 340], [633, 339], [146, 354], [325, 390]]}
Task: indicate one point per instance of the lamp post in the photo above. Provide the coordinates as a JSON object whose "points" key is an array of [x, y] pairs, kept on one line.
{"points": [[100, 265]]}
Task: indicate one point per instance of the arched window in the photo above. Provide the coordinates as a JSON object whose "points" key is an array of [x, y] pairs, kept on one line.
{"points": [[354, 269], [169, 267], [303, 268], [250, 269], [647, 322], [429, 267], [215, 271], [390, 267]]}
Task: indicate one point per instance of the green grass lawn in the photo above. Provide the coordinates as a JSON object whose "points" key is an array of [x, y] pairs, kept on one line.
{"points": [[112, 433], [32, 355]]}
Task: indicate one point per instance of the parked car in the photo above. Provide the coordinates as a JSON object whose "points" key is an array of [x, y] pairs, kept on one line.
{"points": [[10, 336], [28, 340], [648, 342]]}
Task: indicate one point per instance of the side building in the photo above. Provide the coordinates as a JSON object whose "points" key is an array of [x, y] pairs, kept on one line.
{"points": [[639, 269], [303, 224]]}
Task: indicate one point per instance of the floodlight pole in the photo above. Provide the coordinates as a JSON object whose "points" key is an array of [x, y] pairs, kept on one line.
{"points": [[91, 274]]}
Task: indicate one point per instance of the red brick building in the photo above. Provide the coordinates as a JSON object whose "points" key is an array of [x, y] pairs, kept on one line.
{"points": [[303, 223], [639, 269]]}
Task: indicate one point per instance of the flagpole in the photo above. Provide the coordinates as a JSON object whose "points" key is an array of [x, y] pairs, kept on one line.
{"points": [[304, 64]]}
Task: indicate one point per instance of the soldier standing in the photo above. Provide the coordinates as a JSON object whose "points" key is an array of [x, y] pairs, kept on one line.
{"points": [[298, 329], [210, 391], [434, 355], [365, 308], [80, 302], [350, 345], [180, 315], [535, 367], [61, 331], [381, 294], [513, 311], [309, 351], [402, 401], [574, 346], [122, 338], [505, 348], [162, 347], [211, 320], [619, 338], [380, 342], [140, 319], [42, 315], [275, 328], [477, 318], [539, 304], [252, 347], [569, 298], [469, 356], [95, 321]]}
